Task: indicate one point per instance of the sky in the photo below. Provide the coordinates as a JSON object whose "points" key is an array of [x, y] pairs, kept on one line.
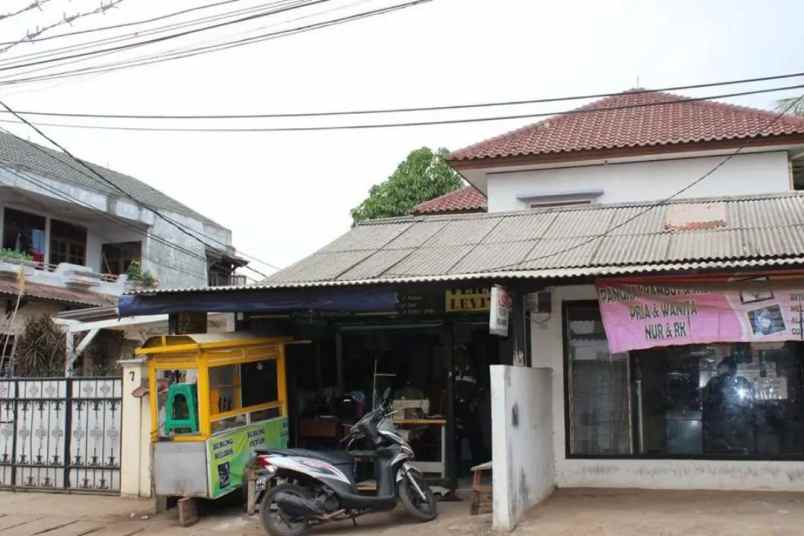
{"points": [[285, 195]]}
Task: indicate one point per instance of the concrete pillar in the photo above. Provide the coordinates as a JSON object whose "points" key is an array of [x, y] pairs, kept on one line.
{"points": [[135, 470]]}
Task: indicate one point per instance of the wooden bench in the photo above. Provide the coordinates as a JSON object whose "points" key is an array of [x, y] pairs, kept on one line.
{"points": [[481, 493]]}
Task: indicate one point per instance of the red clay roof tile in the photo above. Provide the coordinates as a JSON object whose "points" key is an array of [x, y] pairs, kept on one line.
{"points": [[659, 119], [466, 199]]}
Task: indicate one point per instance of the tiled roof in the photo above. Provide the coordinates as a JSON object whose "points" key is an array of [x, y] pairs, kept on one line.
{"points": [[752, 231], [466, 199], [20, 154], [659, 119], [57, 294]]}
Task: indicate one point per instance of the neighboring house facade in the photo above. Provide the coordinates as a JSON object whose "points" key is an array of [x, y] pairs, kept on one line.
{"points": [[74, 237]]}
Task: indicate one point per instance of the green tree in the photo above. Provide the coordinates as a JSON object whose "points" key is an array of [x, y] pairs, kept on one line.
{"points": [[423, 175]]}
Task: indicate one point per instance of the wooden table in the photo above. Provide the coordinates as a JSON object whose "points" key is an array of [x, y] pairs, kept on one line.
{"points": [[439, 466]]}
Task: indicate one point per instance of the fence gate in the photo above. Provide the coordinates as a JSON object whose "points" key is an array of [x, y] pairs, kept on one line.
{"points": [[60, 434]]}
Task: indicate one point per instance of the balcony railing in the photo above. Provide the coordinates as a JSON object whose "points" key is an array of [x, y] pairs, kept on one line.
{"points": [[62, 275]]}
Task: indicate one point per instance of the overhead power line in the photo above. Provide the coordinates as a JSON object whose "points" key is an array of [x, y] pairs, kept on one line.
{"points": [[191, 52], [36, 4], [66, 19], [165, 37], [117, 26], [364, 126], [657, 204], [101, 177], [141, 33], [372, 111]]}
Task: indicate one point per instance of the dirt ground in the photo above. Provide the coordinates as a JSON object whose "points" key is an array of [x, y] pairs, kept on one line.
{"points": [[570, 512]]}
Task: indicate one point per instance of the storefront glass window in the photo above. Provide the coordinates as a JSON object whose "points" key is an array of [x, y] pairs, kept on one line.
{"points": [[714, 401], [599, 405], [721, 400]]}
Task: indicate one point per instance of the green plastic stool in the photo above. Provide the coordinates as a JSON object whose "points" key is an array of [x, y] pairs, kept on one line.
{"points": [[181, 409]]}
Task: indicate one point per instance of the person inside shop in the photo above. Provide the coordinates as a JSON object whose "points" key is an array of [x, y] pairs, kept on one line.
{"points": [[728, 411]]}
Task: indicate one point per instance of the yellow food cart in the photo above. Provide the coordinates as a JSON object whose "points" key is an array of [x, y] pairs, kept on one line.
{"points": [[215, 398]]}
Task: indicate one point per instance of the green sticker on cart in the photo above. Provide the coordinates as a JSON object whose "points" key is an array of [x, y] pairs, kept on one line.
{"points": [[228, 453]]}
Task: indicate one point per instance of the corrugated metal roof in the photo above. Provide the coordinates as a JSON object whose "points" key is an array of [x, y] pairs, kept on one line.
{"points": [[766, 230]]}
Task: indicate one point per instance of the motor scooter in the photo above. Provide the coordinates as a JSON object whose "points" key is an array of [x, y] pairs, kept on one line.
{"points": [[300, 488]]}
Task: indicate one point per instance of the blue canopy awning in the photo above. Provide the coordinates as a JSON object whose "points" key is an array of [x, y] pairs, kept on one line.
{"points": [[358, 300]]}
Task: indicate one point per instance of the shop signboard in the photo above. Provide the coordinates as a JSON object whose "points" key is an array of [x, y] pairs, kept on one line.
{"points": [[500, 310], [419, 302], [467, 300], [641, 313], [228, 453]]}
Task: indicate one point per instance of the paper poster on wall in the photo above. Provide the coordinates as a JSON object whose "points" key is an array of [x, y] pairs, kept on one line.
{"points": [[643, 313]]}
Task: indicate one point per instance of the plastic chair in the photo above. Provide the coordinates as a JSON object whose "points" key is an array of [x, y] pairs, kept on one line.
{"points": [[181, 409]]}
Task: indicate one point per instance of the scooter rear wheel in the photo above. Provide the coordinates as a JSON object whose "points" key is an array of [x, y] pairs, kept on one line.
{"points": [[423, 509], [276, 524]]}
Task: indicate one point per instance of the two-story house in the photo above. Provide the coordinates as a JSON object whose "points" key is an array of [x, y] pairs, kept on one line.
{"points": [[71, 240], [645, 255]]}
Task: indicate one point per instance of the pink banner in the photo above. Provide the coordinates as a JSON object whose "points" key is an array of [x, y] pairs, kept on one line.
{"points": [[649, 312]]}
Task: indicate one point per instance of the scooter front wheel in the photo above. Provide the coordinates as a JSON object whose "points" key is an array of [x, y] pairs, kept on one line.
{"points": [[422, 506], [278, 523]]}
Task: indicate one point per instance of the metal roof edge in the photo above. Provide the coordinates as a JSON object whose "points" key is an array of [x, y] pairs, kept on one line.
{"points": [[578, 208], [552, 273]]}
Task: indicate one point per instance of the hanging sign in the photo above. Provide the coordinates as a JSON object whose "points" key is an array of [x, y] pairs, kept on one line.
{"points": [[642, 313], [500, 311], [465, 300]]}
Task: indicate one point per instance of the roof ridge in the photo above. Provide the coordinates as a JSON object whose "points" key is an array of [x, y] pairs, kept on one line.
{"points": [[631, 127]]}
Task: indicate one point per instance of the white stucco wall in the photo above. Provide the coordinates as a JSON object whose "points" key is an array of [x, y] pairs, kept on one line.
{"points": [[522, 443], [754, 173], [135, 468], [547, 351]]}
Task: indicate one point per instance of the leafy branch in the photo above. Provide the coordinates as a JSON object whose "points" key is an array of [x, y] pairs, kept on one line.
{"points": [[423, 175]]}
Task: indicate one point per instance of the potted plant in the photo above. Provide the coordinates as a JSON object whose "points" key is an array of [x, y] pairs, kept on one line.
{"points": [[138, 277]]}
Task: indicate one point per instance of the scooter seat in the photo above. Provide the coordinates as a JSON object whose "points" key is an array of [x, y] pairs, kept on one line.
{"points": [[334, 457]]}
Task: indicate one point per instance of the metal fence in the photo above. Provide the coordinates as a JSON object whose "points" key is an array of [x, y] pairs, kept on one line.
{"points": [[60, 434]]}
